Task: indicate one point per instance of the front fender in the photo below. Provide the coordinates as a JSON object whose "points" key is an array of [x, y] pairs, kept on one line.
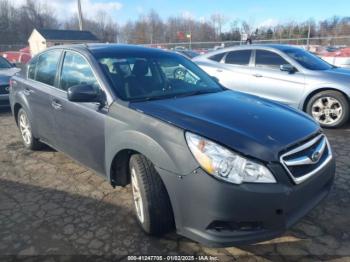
{"points": [[162, 143], [319, 87]]}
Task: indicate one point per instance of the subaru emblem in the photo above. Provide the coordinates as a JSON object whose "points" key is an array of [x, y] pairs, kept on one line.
{"points": [[315, 156]]}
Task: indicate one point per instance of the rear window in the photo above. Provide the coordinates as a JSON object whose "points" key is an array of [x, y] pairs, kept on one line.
{"points": [[217, 57], [241, 57], [46, 67]]}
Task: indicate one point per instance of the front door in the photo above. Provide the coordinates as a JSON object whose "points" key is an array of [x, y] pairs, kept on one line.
{"points": [[272, 83], [79, 126]]}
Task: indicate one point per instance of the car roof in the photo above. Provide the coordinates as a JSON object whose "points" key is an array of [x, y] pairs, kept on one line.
{"points": [[116, 49], [279, 47]]}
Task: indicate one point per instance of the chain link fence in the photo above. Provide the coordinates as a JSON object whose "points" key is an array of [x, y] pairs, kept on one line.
{"points": [[334, 41], [318, 45]]}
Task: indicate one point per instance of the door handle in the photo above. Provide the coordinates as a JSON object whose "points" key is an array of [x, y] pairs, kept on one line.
{"points": [[56, 105], [219, 70], [28, 91], [257, 75]]}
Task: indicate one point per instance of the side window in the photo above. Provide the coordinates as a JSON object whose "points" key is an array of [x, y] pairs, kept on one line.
{"points": [[217, 57], [75, 71], [31, 68], [241, 57], [267, 59], [46, 67]]}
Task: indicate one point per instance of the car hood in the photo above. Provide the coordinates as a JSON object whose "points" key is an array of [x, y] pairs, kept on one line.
{"points": [[247, 124], [335, 73]]}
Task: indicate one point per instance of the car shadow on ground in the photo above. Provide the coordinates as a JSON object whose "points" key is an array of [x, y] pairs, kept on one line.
{"points": [[39, 220]]}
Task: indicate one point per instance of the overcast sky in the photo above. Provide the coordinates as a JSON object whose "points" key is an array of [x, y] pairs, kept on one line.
{"points": [[259, 12]]}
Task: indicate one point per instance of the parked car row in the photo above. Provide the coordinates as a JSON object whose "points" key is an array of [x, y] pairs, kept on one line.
{"points": [[285, 74], [338, 57], [221, 166]]}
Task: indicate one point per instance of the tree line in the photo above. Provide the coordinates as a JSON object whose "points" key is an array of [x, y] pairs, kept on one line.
{"points": [[16, 24]]}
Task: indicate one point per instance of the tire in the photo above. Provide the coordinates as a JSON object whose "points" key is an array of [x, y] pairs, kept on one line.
{"points": [[329, 108], [25, 129], [154, 214]]}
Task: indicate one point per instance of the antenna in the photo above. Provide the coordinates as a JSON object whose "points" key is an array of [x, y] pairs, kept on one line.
{"points": [[80, 16]]}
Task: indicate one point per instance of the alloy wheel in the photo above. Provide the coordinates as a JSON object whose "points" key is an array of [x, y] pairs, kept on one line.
{"points": [[327, 110], [138, 201], [25, 129]]}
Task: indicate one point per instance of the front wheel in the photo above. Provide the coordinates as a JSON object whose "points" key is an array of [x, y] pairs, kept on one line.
{"points": [[151, 201], [329, 108]]}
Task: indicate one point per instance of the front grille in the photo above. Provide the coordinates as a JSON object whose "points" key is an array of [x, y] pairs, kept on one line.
{"points": [[4, 89], [306, 160]]}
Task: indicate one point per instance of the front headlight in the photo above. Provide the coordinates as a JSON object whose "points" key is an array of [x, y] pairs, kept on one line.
{"points": [[225, 164]]}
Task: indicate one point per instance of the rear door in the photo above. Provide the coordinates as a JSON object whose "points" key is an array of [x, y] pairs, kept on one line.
{"points": [[79, 126], [272, 83], [234, 71], [41, 81]]}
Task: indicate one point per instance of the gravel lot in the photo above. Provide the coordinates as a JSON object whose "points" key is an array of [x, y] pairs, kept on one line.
{"points": [[50, 205]]}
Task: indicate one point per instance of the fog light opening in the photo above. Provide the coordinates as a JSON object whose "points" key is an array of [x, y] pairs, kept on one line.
{"points": [[220, 226]]}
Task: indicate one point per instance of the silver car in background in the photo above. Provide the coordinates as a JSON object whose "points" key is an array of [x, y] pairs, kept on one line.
{"points": [[286, 74]]}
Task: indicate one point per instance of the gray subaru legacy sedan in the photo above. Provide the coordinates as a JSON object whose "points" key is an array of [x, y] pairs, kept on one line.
{"points": [[213, 163], [286, 74]]}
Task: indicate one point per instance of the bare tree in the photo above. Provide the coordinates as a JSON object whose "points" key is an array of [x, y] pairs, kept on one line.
{"points": [[16, 24], [218, 20]]}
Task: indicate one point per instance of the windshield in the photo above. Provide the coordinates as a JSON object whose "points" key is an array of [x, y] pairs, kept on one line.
{"points": [[308, 60], [160, 77], [4, 64]]}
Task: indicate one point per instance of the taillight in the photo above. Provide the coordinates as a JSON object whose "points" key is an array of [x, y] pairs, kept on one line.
{"points": [[11, 82]]}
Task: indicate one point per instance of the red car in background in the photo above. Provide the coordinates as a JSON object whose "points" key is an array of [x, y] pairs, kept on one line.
{"points": [[17, 57]]}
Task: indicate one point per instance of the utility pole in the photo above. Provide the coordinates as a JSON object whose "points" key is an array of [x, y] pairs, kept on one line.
{"points": [[80, 16]]}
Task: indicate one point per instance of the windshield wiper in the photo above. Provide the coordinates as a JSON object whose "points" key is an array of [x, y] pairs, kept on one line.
{"points": [[197, 92], [150, 98], [194, 93]]}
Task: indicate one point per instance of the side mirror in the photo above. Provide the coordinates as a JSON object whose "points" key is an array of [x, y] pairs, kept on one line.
{"points": [[84, 93], [288, 68], [14, 65], [215, 79]]}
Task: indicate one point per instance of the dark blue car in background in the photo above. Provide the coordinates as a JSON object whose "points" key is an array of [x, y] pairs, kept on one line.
{"points": [[6, 71], [221, 167]]}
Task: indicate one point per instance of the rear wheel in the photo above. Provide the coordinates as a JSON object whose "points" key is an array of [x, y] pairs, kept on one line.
{"points": [[25, 128], [329, 108], [151, 201]]}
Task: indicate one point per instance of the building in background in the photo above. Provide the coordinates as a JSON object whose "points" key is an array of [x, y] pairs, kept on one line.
{"points": [[40, 39]]}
